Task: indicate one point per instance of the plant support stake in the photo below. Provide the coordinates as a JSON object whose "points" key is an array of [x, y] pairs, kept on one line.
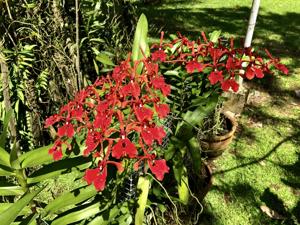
{"points": [[252, 22], [250, 29]]}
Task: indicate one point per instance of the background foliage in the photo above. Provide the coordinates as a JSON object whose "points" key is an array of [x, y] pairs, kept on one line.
{"points": [[38, 46]]}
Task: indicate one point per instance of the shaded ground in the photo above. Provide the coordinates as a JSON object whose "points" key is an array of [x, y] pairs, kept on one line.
{"points": [[257, 181]]}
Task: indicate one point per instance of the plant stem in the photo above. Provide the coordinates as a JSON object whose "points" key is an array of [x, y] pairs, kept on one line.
{"points": [[8, 10]]}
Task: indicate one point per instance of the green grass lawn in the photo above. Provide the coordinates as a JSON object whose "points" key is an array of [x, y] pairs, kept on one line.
{"points": [[262, 166]]}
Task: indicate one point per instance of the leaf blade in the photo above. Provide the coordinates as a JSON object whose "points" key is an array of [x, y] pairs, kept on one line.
{"points": [[10, 214]]}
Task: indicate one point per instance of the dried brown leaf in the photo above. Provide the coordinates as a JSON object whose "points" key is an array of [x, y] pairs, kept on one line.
{"points": [[271, 213]]}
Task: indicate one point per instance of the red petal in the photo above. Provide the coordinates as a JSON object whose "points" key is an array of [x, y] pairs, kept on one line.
{"points": [[56, 150], [69, 130], [162, 110], [234, 85], [57, 155], [52, 119], [258, 72], [147, 136], [77, 114], [215, 76], [100, 180], [166, 89], [158, 133], [103, 120], [66, 130], [159, 168], [90, 175], [250, 73], [124, 147], [143, 113], [282, 68], [159, 55], [225, 85], [194, 65]]}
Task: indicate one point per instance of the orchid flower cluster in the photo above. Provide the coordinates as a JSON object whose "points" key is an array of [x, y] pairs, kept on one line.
{"points": [[221, 64], [119, 117]]}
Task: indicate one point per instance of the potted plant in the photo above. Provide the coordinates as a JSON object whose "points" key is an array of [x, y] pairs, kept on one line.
{"points": [[120, 120], [200, 72]]}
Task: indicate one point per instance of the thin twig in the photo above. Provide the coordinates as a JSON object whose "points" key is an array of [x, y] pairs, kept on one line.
{"points": [[77, 46], [8, 10]]}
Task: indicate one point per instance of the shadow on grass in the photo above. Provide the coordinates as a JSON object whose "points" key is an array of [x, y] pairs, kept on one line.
{"points": [[277, 32], [245, 194], [257, 160], [272, 85], [273, 202]]}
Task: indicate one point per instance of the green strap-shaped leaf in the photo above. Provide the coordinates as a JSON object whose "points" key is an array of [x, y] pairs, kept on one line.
{"points": [[4, 172], [104, 59], [3, 135], [183, 191], [10, 214], [11, 190], [140, 45], [5, 206], [79, 214], [71, 198], [60, 167], [143, 186], [13, 158], [214, 36], [36, 157], [4, 157], [194, 149], [30, 220], [106, 217]]}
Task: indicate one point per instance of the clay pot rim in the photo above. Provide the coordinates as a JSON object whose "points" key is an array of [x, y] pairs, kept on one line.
{"points": [[228, 135]]}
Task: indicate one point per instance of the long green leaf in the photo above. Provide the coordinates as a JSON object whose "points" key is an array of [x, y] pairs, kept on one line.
{"points": [[104, 59], [74, 197], [11, 190], [10, 214], [194, 149], [79, 215], [30, 220], [4, 157], [60, 167], [5, 206], [5, 173], [3, 135], [183, 190], [13, 158], [36, 157], [143, 186], [140, 44], [106, 217]]}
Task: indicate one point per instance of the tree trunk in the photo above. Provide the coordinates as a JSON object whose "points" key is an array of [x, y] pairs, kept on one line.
{"points": [[6, 96]]}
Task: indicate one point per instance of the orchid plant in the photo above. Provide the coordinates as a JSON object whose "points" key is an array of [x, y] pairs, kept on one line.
{"points": [[200, 71], [118, 117]]}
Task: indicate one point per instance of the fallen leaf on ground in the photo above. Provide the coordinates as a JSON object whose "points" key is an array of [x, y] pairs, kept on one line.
{"points": [[262, 163], [271, 213]]}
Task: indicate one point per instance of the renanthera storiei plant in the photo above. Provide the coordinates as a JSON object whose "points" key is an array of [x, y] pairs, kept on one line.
{"points": [[118, 117]]}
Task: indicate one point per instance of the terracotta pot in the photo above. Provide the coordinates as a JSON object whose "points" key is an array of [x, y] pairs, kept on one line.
{"points": [[215, 146]]}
